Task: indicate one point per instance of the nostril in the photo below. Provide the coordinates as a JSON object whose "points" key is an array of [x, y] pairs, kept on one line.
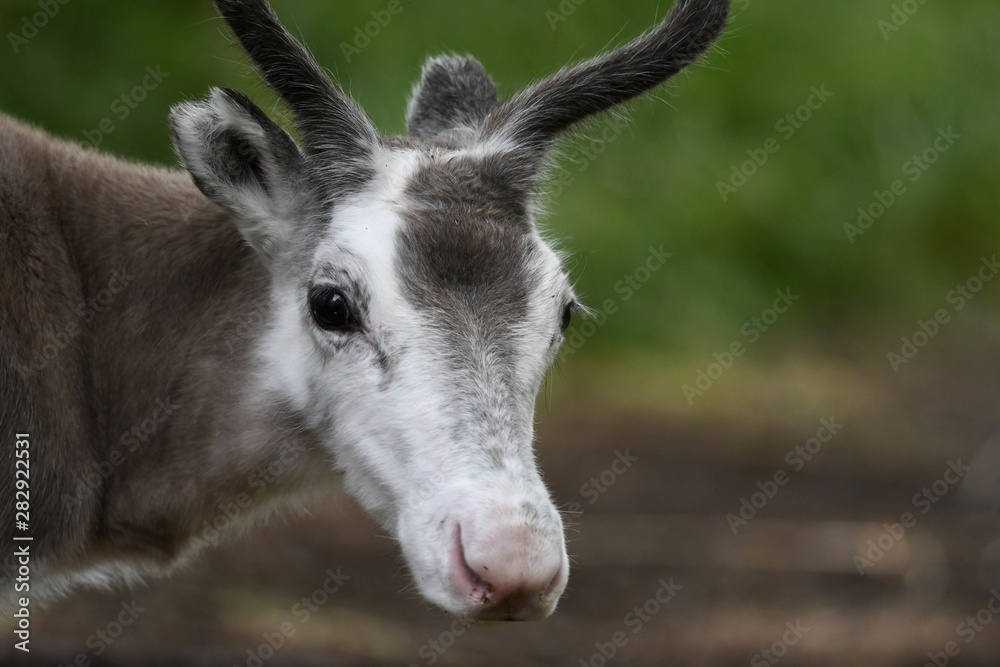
{"points": [[479, 589]]}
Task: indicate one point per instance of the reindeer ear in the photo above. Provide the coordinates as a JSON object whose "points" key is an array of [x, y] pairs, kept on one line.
{"points": [[240, 159], [454, 93]]}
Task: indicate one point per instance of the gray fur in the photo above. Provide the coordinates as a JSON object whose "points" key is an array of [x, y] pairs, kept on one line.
{"points": [[78, 381], [465, 254], [454, 97], [128, 292], [338, 136]]}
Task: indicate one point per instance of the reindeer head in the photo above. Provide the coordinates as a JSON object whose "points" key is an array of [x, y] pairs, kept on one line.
{"points": [[416, 307]]}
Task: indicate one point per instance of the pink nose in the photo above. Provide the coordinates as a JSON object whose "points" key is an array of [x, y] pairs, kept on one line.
{"points": [[517, 575]]}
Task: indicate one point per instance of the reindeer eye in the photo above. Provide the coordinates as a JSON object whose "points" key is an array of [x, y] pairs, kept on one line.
{"points": [[567, 317], [330, 308]]}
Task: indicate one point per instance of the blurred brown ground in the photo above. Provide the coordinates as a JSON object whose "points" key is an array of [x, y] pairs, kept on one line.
{"points": [[662, 519]]}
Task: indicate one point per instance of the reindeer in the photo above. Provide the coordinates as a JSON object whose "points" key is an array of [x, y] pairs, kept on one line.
{"points": [[179, 347]]}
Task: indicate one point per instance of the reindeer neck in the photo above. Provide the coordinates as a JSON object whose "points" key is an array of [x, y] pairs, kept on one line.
{"points": [[173, 304]]}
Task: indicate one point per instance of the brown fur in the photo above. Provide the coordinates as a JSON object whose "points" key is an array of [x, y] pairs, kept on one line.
{"points": [[130, 301], [80, 368]]}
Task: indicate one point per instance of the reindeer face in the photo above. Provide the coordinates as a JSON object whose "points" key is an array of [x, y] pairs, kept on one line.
{"points": [[424, 332], [416, 306]]}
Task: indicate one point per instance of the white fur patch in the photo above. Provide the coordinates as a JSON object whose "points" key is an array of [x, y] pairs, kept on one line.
{"points": [[366, 228], [361, 240], [426, 446]]}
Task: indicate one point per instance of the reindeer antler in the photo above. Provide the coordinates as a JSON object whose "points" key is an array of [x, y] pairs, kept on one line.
{"points": [[331, 122], [537, 115]]}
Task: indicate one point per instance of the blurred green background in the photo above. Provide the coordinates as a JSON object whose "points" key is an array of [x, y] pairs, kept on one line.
{"points": [[657, 183], [889, 92]]}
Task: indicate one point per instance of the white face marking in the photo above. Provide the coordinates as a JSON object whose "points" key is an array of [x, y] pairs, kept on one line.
{"points": [[492, 146], [432, 429]]}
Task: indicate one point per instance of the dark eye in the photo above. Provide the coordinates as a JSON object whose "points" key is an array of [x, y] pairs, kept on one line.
{"points": [[567, 317], [330, 309]]}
